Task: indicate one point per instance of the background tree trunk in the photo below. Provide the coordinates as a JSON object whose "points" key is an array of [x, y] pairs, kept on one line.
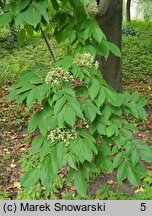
{"points": [[128, 13], [110, 21]]}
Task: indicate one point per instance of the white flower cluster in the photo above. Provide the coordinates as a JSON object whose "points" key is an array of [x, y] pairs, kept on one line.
{"points": [[63, 134], [57, 75], [92, 7], [86, 60], [96, 64]]}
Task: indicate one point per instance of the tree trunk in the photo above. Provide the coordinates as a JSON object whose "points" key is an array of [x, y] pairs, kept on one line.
{"points": [[110, 21], [128, 14]]}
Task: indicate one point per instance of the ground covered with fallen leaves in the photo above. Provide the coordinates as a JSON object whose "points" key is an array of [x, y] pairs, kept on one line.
{"points": [[15, 141]]}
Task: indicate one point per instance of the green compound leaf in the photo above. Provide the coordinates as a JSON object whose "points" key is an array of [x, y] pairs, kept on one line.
{"points": [[44, 149], [134, 157], [59, 105], [70, 115], [46, 174], [31, 98], [100, 99], [72, 161], [30, 178], [135, 96], [76, 108], [21, 36], [5, 19], [122, 172], [60, 116], [114, 49], [94, 89], [112, 96], [36, 145], [77, 147], [110, 130], [20, 5], [106, 111], [97, 34], [133, 176], [118, 159], [33, 16], [80, 182], [42, 11], [145, 152]]}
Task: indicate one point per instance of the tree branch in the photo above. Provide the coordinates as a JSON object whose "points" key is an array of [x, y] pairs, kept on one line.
{"points": [[48, 45]]}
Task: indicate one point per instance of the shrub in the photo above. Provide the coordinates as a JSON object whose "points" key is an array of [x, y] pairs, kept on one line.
{"points": [[80, 124], [137, 51], [128, 30]]}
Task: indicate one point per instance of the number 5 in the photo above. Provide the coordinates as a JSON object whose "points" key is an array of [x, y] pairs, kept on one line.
{"points": [[143, 207]]}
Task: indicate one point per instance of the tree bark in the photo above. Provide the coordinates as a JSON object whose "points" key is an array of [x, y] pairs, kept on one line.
{"points": [[110, 21], [128, 13]]}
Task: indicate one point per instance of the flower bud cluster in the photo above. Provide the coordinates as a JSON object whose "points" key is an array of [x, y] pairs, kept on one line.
{"points": [[57, 75], [92, 7], [86, 60], [63, 134]]}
